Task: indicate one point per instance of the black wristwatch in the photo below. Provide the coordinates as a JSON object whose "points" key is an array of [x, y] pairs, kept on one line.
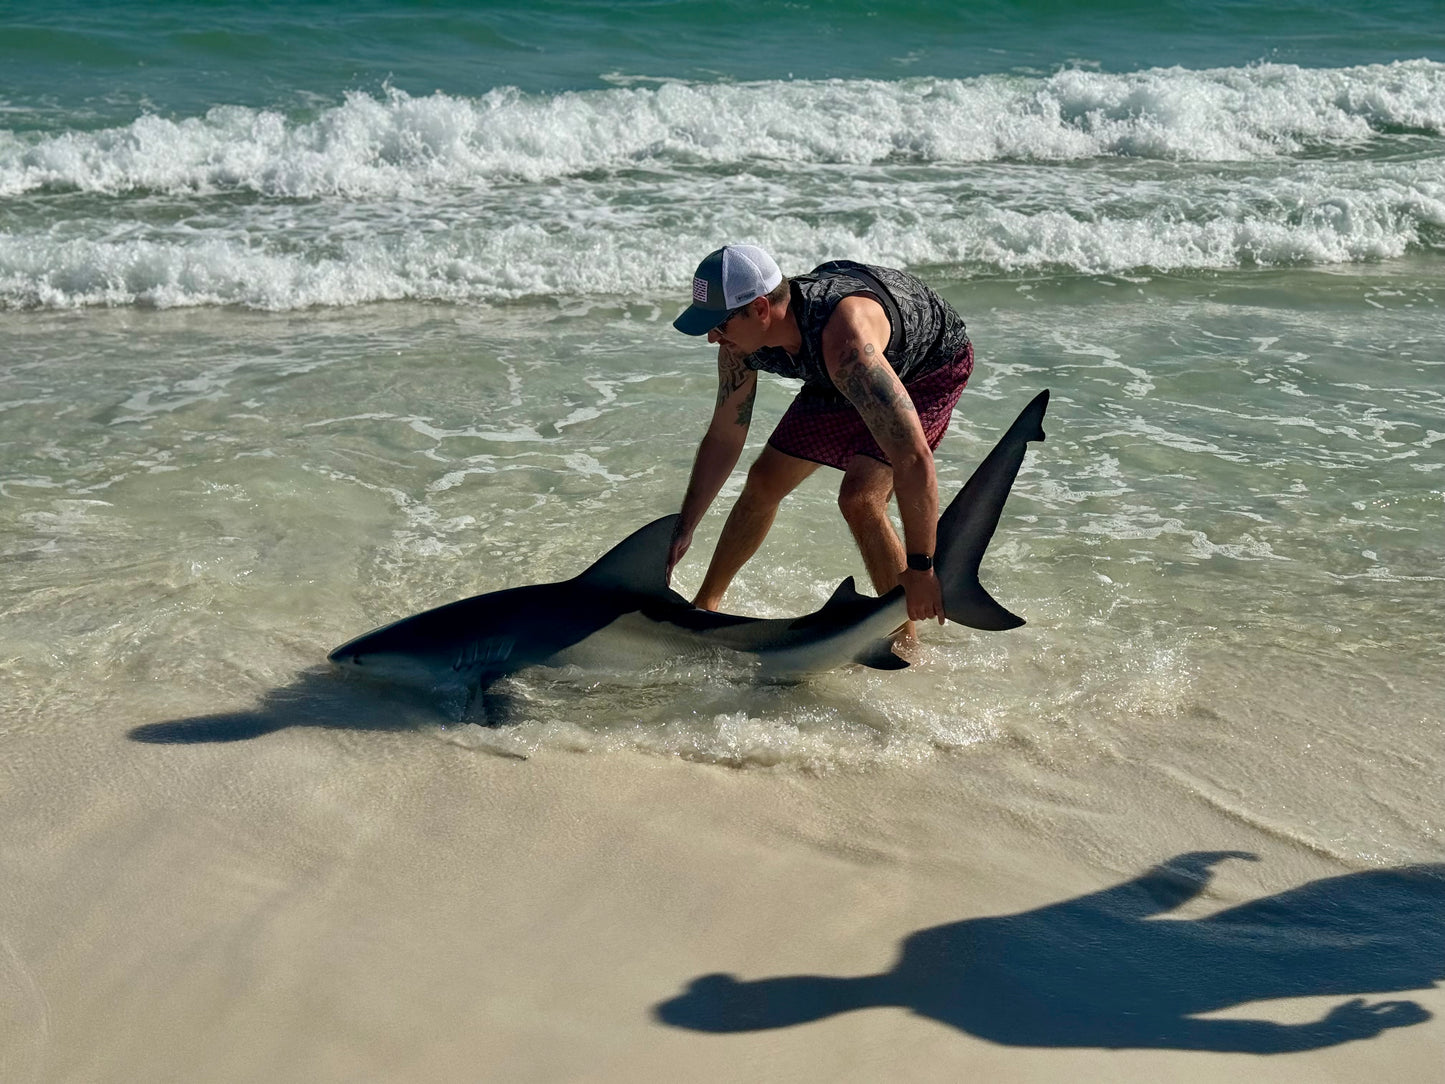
{"points": [[920, 562]]}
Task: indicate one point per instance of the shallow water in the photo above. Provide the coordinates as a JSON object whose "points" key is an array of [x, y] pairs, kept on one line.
{"points": [[1221, 549]]}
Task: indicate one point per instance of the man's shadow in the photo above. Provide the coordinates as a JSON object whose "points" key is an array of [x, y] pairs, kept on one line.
{"points": [[1104, 970], [319, 697]]}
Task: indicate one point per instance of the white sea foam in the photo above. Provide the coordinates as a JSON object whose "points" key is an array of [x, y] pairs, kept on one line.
{"points": [[399, 144], [1286, 222], [616, 191]]}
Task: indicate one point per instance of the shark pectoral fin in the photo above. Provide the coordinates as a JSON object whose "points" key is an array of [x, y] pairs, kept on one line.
{"points": [[879, 655]]}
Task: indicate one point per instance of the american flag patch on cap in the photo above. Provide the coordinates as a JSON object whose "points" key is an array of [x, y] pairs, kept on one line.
{"points": [[699, 289]]}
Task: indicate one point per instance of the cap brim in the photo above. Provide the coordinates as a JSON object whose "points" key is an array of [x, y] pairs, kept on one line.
{"points": [[696, 320]]}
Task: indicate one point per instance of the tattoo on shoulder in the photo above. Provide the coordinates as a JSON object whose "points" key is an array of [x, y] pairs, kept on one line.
{"points": [[732, 374]]}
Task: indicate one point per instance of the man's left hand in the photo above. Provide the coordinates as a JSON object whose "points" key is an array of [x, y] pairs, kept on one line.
{"points": [[925, 594]]}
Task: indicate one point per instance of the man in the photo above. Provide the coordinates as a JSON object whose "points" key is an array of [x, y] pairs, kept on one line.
{"points": [[883, 360]]}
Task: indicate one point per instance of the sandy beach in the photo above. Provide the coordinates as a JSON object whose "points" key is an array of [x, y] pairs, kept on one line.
{"points": [[366, 905]]}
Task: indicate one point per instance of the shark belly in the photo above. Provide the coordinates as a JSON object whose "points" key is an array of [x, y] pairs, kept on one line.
{"points": [[633, 643], [788, 648]]}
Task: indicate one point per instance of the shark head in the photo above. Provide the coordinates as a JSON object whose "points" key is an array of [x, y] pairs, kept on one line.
{"points": [[424, 652], [479, 639], [387, 659], [393, 667]]}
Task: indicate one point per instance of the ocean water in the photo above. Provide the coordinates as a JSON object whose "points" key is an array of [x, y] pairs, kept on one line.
{"points": [[311, 318], [381, 299]]}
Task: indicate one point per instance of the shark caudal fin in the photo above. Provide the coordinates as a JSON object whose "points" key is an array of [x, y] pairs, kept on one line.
{"points": [[638, 563], [968, 523]]}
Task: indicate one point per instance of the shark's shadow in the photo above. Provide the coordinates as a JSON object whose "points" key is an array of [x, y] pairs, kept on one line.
{"points": [[1105, 970], [319, 697], [325, 698]]}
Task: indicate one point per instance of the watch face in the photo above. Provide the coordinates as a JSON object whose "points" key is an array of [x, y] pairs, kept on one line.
{"points": [[920, 562]]}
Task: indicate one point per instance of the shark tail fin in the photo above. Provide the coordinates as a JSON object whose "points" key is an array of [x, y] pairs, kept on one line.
{"points": [[638, 563], [967, 525]]}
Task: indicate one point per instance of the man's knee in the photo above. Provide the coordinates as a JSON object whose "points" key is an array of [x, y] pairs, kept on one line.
{"points": [[863, 501], [768, 481]]}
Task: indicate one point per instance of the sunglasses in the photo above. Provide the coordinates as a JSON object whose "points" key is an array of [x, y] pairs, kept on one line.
{"points": [[726, 320]]}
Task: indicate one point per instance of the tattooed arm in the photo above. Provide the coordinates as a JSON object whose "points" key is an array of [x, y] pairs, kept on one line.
{"points": [[721, 446], [853, 343]]}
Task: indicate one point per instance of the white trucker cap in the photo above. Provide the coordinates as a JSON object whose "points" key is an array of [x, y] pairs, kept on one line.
{"points": [[726, 280]]}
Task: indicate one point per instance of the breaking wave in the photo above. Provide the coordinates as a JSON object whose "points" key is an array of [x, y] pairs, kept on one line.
{"points": [[616, 191]]}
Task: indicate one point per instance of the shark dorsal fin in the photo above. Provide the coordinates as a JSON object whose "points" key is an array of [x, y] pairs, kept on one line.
{"points": [[638, 563], [845, 604], [845, 593]]}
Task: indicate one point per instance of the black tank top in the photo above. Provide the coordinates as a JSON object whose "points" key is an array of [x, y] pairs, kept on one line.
{"points": [[925, 331]]}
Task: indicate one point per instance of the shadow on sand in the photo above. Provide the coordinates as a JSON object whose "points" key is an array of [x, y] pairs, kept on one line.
{"points": [[1104, 970], [328, 699], [319, 697]]}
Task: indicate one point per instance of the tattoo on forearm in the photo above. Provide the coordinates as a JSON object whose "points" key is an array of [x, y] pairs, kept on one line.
{"points": [[884, 408], [745, 409]]}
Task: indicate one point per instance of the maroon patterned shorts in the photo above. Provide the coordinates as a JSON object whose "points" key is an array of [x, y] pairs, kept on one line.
{"points": [[827, 429]]}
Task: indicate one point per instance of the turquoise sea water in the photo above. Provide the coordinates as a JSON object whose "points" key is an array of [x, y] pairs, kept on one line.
{"points": [[184, 58], [290, 156], [1215, 230]]}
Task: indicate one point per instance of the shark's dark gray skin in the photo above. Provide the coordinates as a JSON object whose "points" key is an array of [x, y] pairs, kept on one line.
{"points": [[620, 614]]}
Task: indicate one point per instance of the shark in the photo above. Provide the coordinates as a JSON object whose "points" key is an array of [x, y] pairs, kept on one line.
{"points": [[620, 614]]}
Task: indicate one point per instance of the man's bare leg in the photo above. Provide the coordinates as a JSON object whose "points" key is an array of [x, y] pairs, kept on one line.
{"points": [[863, 499], [771, 478]]}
